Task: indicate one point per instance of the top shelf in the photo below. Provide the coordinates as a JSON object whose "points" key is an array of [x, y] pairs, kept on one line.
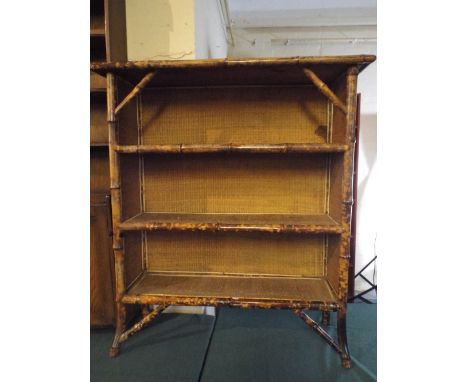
{"points": [[234, 72]]}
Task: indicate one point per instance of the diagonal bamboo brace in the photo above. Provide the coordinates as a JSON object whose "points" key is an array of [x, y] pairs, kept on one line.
{"points": [[141, 324], [315, 326], [325, 90], [138, 88]]}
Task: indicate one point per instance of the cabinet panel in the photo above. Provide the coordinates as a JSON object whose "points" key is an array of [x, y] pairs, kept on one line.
{"points": [[102, 294]]}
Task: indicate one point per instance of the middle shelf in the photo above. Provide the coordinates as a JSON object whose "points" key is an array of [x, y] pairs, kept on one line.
{"points": [[298, 148], [151, 221]]}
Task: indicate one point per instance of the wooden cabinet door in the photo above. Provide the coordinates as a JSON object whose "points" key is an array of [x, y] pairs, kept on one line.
{"points": [[102, 280]]}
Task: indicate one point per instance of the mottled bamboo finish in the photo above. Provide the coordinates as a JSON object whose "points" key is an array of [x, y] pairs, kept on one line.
{"points": [[104, 67], [347, 186], [137, 89], [116, 215], [285, 148], [316, 327], [141, 324], [222, 227], [228, 302], [325, 90], [344, 147]]}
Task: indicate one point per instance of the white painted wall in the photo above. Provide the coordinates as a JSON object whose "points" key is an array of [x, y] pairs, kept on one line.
{"points": [[210, 40]]}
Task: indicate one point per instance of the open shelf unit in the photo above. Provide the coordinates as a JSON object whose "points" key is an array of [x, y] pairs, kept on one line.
{"points": [[232, 183]]}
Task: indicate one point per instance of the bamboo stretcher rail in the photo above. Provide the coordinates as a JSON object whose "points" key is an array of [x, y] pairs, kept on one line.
{"points": [[285, 148], [137, 89], [141, 324], [325, 90], [317, 328], [228, 302]]}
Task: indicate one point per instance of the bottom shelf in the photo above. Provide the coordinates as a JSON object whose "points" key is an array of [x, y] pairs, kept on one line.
{"points": [[268, 292]]}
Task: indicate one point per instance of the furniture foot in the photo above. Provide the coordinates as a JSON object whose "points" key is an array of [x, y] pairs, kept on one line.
{"points": [[325, 318], [346, 363], [114, 351], [119, 329], [343, 339]]}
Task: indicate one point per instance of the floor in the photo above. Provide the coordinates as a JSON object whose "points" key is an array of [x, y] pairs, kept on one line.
{"points": [[246, 345]]}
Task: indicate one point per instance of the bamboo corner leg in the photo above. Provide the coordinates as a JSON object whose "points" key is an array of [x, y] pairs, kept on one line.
{"points": [[119, 329], [326, 318], [343, 339]]}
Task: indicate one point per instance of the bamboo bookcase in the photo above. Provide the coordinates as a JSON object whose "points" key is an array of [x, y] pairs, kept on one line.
{"points": [[231, 185]]}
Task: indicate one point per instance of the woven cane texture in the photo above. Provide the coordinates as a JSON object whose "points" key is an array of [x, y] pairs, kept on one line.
{"points": [[332, 262], [255, 288], [130, 186], [236, 253], [293, 184], [249, 115], [133, 257]]}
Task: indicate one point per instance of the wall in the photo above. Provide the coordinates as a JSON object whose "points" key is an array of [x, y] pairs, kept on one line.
{"points": [[210, 40], [160, 29]]}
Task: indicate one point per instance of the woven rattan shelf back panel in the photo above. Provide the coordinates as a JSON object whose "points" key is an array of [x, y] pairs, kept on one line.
{"points": [[234, 115], [236, 184], [241, 253]]}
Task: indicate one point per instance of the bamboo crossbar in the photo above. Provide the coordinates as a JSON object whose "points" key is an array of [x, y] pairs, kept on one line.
{"points": [[141, 324], [137, 89], [325, 90], [317, 328], [285, 148]]}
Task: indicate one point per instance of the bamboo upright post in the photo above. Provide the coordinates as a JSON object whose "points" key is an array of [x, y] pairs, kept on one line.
{"points": [[116, 214], [347, 203]]}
